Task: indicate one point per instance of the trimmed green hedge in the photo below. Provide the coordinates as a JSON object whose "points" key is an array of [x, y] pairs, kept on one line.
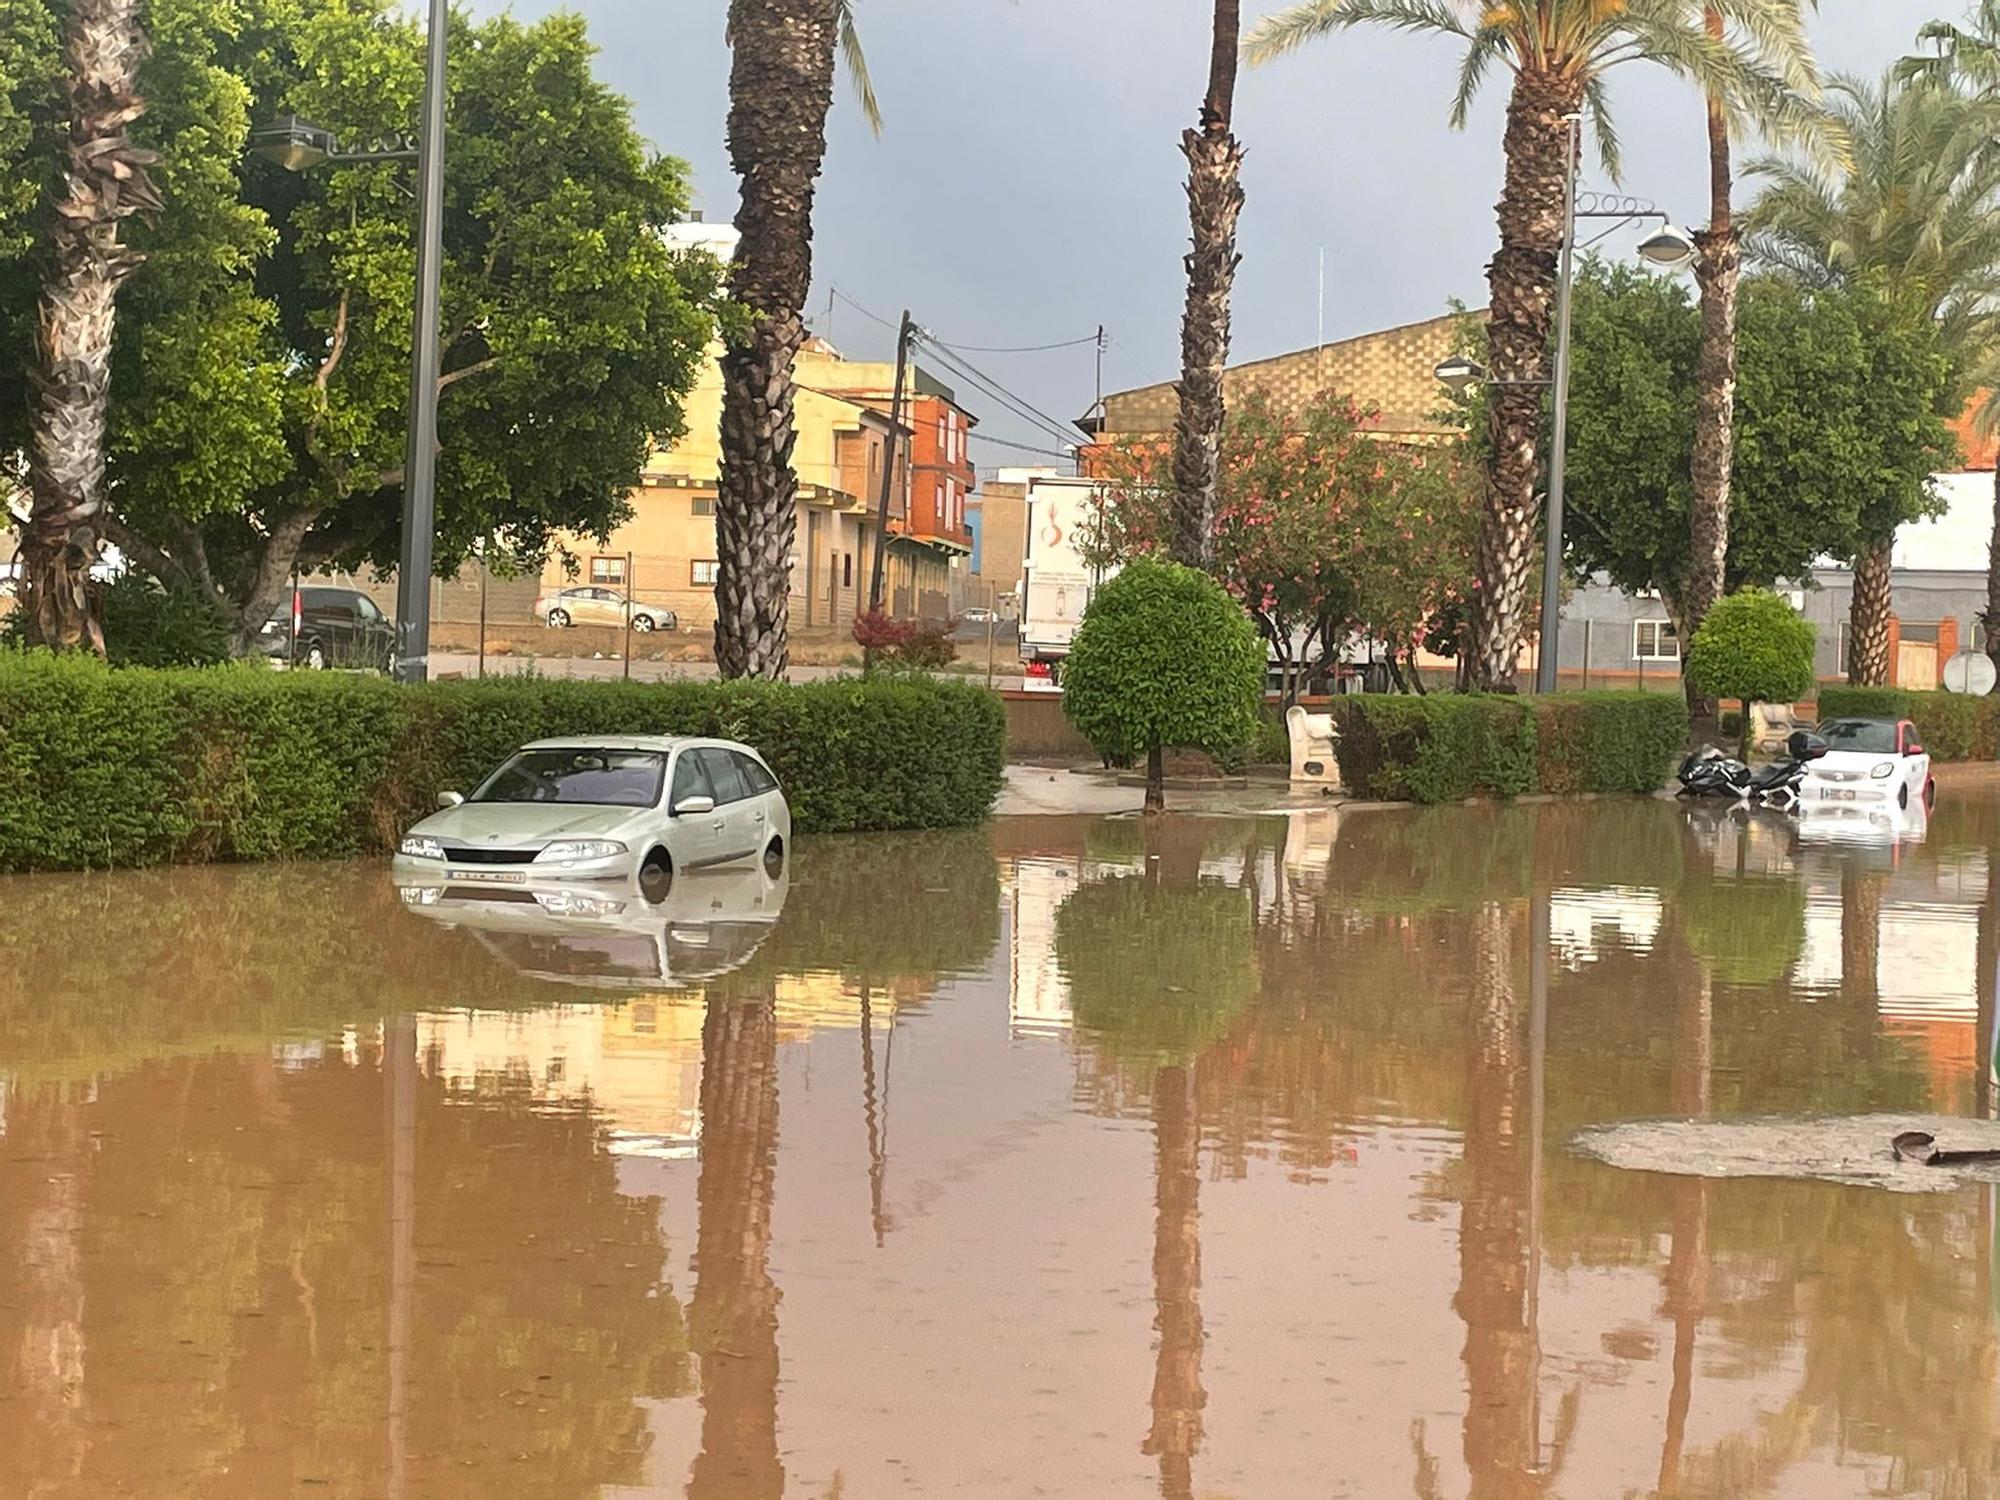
{"points": [[1448, 746], [1952, 725], [102, 767]]}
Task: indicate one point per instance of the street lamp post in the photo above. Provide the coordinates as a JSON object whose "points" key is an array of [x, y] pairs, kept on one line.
{"points": [[1668, 248], [298, 145]]}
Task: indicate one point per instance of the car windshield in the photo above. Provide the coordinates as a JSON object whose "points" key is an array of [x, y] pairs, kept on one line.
{"points": [[608, 778], [1869, 736]]}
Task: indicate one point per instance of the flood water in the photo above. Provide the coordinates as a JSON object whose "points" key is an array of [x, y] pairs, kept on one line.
{"points": [[1060, 1158]]}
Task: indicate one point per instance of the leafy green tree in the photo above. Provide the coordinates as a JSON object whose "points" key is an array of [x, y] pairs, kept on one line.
{"points": [[1164, 657], [1913, 216], [261, 372], [1753, 647], [1839, 426]]}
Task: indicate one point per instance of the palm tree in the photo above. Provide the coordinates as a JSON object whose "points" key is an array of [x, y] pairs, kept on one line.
{"points": [[1717, 267], [103, 182], [1914, 209], [1973, 55], [1559, 52], [780, 89], [1215, 198]]}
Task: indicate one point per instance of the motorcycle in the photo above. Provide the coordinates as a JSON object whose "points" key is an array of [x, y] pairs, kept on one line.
{"points": [[1708, 772]]}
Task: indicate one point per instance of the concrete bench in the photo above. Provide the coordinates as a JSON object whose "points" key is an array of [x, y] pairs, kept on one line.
{"points": [[1312, 736], [1771, 724]]}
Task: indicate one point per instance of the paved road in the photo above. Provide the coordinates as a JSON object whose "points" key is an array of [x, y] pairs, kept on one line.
{"points": [[466, 664]]}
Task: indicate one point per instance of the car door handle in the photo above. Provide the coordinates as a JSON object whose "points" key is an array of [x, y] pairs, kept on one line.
{"points": [[760, 817], [718, 825]]}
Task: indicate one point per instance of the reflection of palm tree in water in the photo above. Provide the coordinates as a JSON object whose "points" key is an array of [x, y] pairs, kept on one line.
{"points": [[1496, 1249], [734, 1315], [1690, 1094], [1178, 1396], [49, 1359]]}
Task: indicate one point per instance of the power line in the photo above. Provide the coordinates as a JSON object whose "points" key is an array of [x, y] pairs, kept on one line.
{"points": [[981, 437], [1020, 405], [1088, 338]]}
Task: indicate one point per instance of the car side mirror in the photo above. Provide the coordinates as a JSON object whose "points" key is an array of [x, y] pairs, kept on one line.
{"points": [[690, 806], [450, 799]]}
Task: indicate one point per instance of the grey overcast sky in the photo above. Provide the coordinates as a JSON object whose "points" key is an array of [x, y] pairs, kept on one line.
{"points": [[1027, 186]]}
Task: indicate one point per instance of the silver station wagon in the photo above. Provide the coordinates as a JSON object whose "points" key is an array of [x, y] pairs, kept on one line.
{"points": [[605, 807]]}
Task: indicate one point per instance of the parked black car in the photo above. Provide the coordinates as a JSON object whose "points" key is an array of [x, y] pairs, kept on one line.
{"points": [[330, 627]]}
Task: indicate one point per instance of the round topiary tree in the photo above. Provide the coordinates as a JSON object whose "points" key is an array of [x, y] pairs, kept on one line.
{"points": [[1164, 659], [1753, 647]]}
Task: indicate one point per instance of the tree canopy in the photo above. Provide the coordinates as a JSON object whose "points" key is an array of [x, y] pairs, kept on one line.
{"points": [[1841, 405], [262, 369], [1753, 647]]}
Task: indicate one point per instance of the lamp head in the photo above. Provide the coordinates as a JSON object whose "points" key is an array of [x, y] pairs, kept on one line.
{"points": [[1669, 247], [1460, 371], [294, 144]]}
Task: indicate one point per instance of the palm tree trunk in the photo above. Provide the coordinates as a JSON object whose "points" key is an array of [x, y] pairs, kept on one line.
{"points": [[780, 88], [1521, 284], [1868, 617], [104, 181], [1215, 198], [1156, 780], [1992, 617], [1715, 399]]}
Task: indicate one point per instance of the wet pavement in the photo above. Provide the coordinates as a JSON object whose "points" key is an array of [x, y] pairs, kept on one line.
{"points": [[1228, 1156]]}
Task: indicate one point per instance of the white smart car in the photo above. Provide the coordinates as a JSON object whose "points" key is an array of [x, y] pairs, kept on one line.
{"points": [[605, 807], [1870, 760]]}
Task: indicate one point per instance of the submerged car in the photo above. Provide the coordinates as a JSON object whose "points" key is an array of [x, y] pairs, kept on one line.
{"points": [[1870, 760], [605, 807]]}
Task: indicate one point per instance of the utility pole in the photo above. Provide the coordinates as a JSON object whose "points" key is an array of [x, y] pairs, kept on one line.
{"points": [[413, 573], [904, 335]]}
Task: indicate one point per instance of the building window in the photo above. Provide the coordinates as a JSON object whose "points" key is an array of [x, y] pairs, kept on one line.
{"points": [[705, 571], [1654, 640], [1840, 649], [847, 570], [704, 505], [607, 570], [942, 506], [944, 438]]}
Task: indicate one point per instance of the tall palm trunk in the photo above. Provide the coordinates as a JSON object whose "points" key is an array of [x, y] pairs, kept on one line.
{"points": [[1215, 198], [1715, 397], [1868, 616], [104, 181], [1521, 285], [780, 88]]}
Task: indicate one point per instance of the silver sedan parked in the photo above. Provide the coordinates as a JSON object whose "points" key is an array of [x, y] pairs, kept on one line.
{"points": [[605, 807]]}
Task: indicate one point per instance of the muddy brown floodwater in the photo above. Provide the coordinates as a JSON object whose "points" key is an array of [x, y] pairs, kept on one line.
{"points": [[1060, 1158]]}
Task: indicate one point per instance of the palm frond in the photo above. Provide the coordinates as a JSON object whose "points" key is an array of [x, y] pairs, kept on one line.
{"points": [[1597, 99], [1288, 30], [1777, 28], [856, 62], [1487, 44]]}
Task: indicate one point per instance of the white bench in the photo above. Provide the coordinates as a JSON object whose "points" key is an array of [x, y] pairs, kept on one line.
{"points": [[1312, 736], [1771, 725]]}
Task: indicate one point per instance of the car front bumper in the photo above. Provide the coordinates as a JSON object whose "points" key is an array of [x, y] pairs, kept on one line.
{"points": [[408, 869], [1866, 789]]}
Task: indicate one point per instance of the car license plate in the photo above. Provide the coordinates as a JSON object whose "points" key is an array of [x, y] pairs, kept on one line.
{"points": [[1836, 794], [489, 877]]}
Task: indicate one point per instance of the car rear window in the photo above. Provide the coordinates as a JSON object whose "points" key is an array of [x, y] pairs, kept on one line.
{"points": [[1868, 736], [754, 775], [599, 778]]}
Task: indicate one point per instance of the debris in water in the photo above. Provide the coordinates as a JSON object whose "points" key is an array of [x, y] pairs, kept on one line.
{"points": [[1854, 1149]]}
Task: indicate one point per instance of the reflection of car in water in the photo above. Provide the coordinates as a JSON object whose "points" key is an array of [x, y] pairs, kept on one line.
{"points": [[1880, 824], [609, 936]]}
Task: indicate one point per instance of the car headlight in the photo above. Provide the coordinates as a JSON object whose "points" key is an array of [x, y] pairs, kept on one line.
{"points": [[422, 848], [573, 849], [422, 895], [575, 904], [1884, 771]]}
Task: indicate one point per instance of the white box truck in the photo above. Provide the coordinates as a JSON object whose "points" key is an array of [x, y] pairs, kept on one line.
{"points": [[1056, 584]]}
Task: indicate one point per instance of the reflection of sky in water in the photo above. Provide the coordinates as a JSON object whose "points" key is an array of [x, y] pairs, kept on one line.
{"points": [[1584, 922]]}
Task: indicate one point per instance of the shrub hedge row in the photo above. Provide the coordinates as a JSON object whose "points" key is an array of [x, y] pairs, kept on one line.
{"points": [[113, 767], [1449, 746], [1952, 725]]}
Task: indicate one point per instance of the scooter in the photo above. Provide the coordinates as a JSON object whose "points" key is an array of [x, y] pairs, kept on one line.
{"points": [[1708, 772]]}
